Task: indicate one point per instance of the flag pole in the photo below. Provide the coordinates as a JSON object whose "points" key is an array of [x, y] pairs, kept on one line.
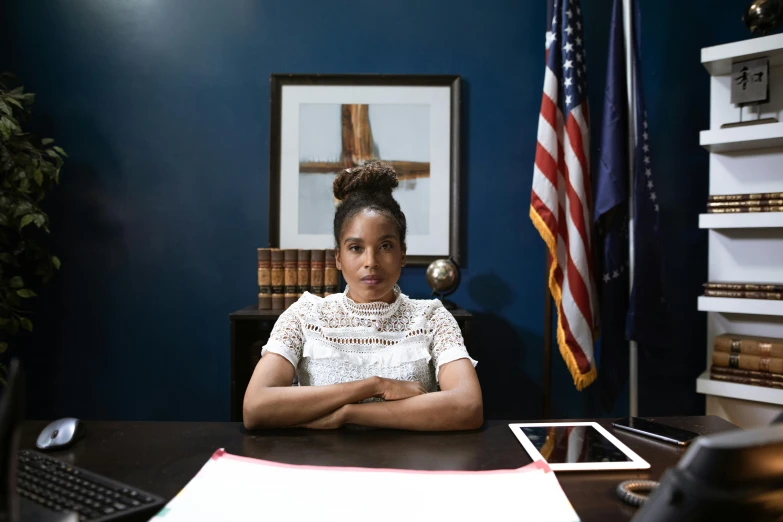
{"points": [[633, 368], [547, 385]]}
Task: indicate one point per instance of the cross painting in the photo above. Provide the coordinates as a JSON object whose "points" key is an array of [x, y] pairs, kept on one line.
{"points": [[322, 125], [334, 137]]}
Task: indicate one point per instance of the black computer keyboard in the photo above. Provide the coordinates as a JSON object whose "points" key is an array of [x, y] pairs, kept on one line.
{"points": [[59, 486]]}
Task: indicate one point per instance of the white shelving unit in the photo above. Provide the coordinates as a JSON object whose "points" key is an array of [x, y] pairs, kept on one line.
{"points": [[765, 136], [725, 305], [747, 220], [743, 247]]}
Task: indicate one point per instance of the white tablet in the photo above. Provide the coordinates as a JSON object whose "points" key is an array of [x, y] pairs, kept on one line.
{"points": [[576, 446]]}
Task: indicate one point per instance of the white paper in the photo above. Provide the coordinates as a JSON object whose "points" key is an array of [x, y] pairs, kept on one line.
{"points": [[232, 488]]}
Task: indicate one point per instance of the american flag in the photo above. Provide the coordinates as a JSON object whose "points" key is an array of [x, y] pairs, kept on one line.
{"points": [[560, 200]]}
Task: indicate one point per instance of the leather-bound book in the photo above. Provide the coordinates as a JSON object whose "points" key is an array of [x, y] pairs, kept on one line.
{"points": [[753, 381], [331, 275], [743, 294], [264, 279], [749, 345], [278, 280], [745, 197], [753, 287], [736, 210], [303, 272], [748, 374], [290, 260], [748, 362], [746, 203], [317, 272]]}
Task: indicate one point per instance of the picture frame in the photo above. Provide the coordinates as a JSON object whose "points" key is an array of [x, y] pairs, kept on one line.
{"points": [[321, 124]]}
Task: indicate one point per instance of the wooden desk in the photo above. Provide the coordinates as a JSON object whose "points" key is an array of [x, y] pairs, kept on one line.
{"points": [[250, 329], [161, 457]]}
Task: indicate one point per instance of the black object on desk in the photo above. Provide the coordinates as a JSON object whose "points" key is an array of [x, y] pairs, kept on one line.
{"points": [[42, 488], [726, 476], [250, 329]]}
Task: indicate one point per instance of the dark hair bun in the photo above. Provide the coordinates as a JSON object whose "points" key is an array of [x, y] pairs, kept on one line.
{"points": [[372, 177]]}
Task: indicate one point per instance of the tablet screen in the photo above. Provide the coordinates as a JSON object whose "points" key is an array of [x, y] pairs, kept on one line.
{"points": [[569, 444]]}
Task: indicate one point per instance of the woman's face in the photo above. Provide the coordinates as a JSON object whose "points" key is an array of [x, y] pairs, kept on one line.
{"points": [[370, 256]]}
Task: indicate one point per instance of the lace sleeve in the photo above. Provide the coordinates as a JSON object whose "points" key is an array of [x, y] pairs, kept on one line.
{"points": [[447, 342], [287, 337]]}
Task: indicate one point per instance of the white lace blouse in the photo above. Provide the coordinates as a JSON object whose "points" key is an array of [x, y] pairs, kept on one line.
{"points": [[334, 339]]}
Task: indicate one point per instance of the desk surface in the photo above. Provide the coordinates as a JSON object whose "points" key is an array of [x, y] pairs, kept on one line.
{"points": [[161, 457]]}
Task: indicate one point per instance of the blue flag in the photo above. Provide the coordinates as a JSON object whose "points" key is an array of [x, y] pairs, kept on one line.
{"points": [[647, 315], [640, 317], [611, 219]]}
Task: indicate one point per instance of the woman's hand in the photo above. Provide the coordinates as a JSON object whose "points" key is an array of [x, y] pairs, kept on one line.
{"points": [[395, 390], [330, 421]]}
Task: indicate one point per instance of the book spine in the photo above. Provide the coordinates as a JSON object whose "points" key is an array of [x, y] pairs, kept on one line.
{"points": [[755, 287], [317, 273], [303, 272], [728, 344], [748, 362], [735, 210], [278, 280], [767, 383], [750, 374], [745, 197], [331, 280], [742, 294], [264, 279], [290, 259], [745, 203]]}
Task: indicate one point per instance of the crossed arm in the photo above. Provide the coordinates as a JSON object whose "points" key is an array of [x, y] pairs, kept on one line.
{"points": [[271, 402]]}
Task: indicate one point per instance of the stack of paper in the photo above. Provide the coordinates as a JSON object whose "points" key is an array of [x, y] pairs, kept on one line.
{"points": [[231, 488]]}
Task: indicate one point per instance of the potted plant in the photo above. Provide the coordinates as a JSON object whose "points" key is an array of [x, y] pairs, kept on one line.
{"points": [[29, 170]]}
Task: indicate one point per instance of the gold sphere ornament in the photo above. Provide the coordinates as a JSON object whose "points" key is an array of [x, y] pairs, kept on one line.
{"points": [[443, 277]]}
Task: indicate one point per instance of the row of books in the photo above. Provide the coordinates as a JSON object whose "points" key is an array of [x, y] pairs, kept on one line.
{"points": [[744, 290], [747, 359], [285, 274], [733, 203]]}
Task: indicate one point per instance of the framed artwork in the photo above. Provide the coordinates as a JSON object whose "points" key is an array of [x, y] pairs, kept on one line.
{"points": [[323, 124]]}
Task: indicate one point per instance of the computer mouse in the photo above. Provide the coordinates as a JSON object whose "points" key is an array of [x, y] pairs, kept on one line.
{"points": [[60, 434]]}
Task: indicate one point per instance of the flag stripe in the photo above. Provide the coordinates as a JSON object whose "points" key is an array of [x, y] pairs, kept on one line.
{"points": [[560, 202]]}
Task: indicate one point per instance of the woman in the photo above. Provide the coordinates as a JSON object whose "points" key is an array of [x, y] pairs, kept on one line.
{"points": [[369, 356]]}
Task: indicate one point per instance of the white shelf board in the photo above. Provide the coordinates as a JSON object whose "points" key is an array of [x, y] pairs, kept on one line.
{"points": [[742, 220], [736, 305], [735, 390], [718, 59], [761, 136]]}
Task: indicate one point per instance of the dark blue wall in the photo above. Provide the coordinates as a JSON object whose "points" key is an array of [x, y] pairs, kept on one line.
{"points": [[163, 108]]}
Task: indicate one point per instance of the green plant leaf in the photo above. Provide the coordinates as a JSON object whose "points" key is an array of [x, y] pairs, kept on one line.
{"points": [[5, 108], [27, 324], [3, 348], [23, 208], [26, 293], [60, 151], [5, 257], [38, 177], [16, 282], [56, 262], [26, 220], [46, 141], [39, 220], [14, 101]]}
